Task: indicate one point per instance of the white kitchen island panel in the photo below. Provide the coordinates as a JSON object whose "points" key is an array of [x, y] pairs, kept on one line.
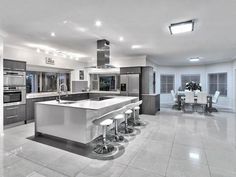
{"points": [[75, 121]]}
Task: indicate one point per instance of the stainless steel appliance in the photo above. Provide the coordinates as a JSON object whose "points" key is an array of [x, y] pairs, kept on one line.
{"points": [[130, 85], [14, 78], [14, 95]]}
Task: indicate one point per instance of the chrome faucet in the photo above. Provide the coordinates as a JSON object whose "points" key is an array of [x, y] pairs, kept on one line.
{"points": [[60, 91]]}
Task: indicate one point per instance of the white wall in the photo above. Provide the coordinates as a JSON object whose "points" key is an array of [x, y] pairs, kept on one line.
{"points": [[128, 61], [234, 85], [1, 85], [226, 102], [155, 69]]}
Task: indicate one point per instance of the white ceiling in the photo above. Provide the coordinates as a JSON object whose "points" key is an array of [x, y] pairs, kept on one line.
{"points": [[143, 22]]}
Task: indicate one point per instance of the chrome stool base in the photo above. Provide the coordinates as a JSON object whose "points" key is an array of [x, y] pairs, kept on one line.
{"points": [[118, 138], [103, 149], [126, 131]]}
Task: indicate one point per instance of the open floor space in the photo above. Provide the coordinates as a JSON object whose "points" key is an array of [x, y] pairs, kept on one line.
{"points": [[171, 144]]}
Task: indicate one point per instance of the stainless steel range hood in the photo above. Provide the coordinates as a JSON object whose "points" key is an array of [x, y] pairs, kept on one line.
{"points": [[103, 55]]}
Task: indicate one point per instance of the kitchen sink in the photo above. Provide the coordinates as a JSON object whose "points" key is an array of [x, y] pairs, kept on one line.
{"points": [[66, 102]]}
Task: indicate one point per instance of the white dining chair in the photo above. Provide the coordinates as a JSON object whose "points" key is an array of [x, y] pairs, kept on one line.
{"points": [[202, 100], [196, 92], [189, 99], [215, 99], [174, 98]]}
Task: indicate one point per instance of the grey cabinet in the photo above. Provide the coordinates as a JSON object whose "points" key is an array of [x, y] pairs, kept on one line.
{"points": [[14, 65], [130, 70], [30, 108], [147, 80], [96, 95], [151, 103], [13, 114]]}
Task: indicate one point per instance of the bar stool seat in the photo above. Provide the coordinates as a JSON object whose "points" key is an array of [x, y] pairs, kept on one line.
{"points": [[128, 111], [105, 147], [119, 116], [137, 108], [106, 122]]}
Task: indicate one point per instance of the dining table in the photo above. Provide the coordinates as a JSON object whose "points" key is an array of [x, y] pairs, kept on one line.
{"points": [[180, 98]]}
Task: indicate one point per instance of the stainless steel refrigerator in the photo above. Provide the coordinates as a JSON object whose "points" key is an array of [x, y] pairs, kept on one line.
{"points": [[130, 85]]}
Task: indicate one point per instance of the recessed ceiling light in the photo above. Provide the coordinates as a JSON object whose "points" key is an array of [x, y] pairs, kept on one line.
{"points": [[55, 54], [77, 59], [194, 155], [46, 52], [98, 23], [182, 27], [82, 29], [121, 38], [194, 59], [65, 21], [71, 57], [38, 50], [136, 46], [53, 34]]}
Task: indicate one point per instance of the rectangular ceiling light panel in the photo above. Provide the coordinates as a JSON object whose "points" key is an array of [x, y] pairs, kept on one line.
{"points": [[182, 27]]}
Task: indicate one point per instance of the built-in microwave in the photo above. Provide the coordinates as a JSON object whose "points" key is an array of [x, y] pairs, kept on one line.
{"points": [[14, 78], [14, 96]]}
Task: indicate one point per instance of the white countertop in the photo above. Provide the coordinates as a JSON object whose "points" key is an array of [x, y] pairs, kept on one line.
{"points": [[47, 94], [91, 104]]}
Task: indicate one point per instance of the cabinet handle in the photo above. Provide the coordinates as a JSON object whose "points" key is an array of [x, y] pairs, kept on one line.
{"points": [[12, 108], [17, 69], [6, 68], [11, 117]]}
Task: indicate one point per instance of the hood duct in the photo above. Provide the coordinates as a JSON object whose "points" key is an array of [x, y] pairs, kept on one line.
{"points": [[103, 54]]}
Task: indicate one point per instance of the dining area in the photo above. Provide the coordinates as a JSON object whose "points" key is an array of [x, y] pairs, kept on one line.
{"points": [[193, 99]]}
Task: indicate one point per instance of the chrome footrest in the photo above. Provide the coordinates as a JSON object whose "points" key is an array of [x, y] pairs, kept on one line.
{"points": [[103, 149], [126, 131]]}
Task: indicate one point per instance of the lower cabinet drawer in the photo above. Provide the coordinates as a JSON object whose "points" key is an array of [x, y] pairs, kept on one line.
{"points": [[13, 114]]}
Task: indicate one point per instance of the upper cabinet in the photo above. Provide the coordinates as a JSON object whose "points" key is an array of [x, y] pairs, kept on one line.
{"points": [[14, 65]]}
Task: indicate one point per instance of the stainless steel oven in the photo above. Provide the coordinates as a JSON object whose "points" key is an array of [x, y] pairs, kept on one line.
{"points": [[14, 78], [14, 95]]}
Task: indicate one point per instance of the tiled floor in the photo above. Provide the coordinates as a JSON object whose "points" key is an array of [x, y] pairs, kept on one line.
{"points": [[173, 144]]}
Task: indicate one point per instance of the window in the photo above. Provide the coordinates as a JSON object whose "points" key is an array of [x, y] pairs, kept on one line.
{"points": [[167, 83], [103, 82], [217, 82], [107, 83], [32, 82], [188, 78], [45, 81]]}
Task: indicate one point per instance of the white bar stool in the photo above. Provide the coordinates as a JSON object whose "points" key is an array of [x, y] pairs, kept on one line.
{"points": [[118, 137], [136, 113], [127, 130], [104, 148]]}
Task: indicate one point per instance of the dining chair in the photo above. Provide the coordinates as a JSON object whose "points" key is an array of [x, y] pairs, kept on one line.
{"points": [[189, 99], [202, 100], [174, 98], [215, 99], [196, 92]]}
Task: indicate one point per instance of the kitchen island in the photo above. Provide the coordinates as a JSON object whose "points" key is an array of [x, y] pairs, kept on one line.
{"points": [[74, 120]]}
